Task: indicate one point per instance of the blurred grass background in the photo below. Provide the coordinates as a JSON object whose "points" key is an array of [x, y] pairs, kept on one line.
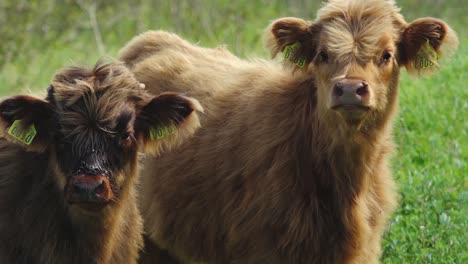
{"points": [[37, 37]]}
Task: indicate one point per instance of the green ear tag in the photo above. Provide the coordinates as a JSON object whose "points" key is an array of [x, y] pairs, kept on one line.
{"points": [[161, 132], [426, 57], [25, 135], [289, 52]]}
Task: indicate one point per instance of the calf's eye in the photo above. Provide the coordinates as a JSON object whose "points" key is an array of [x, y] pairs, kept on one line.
{"points": [[386, 56], [126, 140], [323, 56]]}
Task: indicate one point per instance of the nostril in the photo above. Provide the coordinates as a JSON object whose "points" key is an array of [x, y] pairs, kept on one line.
{"points": [[99, 189], [362, 90], [77, 188], [338, 91]]}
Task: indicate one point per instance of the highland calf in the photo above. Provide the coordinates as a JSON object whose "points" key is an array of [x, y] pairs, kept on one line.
{"points": [[69, 165], [292, 162]]}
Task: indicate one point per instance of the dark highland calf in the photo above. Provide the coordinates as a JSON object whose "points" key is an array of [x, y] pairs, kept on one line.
{"points": [[69, 164], [292, 162]]}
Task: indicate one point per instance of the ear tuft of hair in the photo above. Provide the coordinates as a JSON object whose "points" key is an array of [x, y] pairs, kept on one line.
{"points": [[291, 31], [185, 126], [25, 121], [425, 43], [283, 32]]}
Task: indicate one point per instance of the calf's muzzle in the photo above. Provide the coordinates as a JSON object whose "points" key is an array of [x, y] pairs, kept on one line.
{"points": [[89, 189], [350, 93]]}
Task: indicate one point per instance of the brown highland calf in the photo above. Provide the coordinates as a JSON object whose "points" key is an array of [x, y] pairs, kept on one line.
{"points": [[292, 162], [68, 170]]}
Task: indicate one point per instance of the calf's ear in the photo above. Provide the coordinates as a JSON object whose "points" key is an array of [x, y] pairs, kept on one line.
{"points": [[165, 121], [423, 43], [27, 121], [295, 38]]}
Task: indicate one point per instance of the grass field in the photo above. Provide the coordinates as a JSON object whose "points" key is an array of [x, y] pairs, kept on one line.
{"points": [[430, 226]]}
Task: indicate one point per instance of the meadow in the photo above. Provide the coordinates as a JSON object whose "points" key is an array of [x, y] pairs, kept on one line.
{"points": [[38, 37]]}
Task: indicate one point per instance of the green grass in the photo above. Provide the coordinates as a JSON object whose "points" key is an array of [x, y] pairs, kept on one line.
{"points": [[430, 226]]}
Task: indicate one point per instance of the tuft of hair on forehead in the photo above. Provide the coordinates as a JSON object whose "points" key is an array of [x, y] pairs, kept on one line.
{"points": [[357, 9], [95, 97], [72, 83], [360, 27]]}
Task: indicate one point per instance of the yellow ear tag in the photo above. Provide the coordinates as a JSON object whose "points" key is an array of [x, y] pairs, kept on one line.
{"points": [[25, 135], [289, 52], [426, 57], [161, 132]]}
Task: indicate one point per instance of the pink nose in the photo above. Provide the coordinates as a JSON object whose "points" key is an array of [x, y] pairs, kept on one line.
{"points": [[89, 189], [350, 92]]}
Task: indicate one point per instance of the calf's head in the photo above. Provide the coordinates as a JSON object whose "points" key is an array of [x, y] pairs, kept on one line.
{"points": [[92, 124], [354, 50]]}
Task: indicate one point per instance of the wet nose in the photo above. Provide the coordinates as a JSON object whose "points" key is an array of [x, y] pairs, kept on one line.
{"points": [[351, 92], [89, 189]]}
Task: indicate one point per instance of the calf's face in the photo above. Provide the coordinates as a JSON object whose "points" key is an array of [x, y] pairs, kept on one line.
{"points": [[93, 123], [354, 50]]}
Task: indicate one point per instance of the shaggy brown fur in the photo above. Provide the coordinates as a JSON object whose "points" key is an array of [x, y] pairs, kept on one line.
{"points": [[92, 122], [278, 174]]}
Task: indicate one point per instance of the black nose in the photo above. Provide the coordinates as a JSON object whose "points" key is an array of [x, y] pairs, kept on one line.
{"points": [[351, 92]]}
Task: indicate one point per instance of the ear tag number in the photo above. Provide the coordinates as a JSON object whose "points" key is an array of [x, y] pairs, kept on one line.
{"points": [[426, 57], [161, 132], [25, 135], [289, 52]]}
